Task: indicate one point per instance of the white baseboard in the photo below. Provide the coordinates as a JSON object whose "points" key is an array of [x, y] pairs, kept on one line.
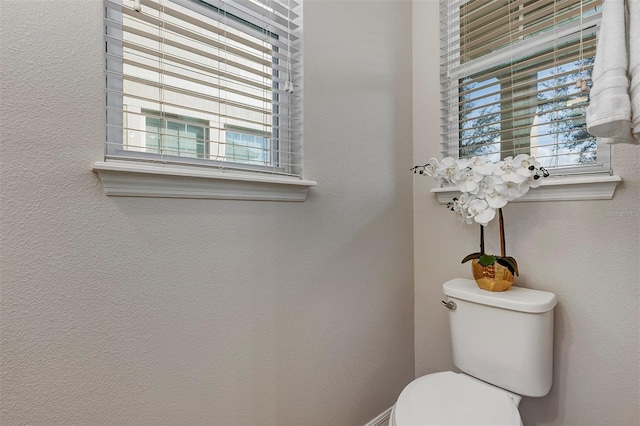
{"points": [[382, 419]]}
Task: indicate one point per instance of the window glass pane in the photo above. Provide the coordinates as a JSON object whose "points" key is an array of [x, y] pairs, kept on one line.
{"points": [[480, 119], [168, 137], [559, 136], [153, 134], [535, 110], [246, 148]]}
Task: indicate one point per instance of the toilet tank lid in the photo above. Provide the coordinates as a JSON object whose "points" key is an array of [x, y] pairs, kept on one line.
{"points": [[515, 299]]}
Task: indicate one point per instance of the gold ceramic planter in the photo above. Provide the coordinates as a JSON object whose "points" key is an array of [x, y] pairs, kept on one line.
{"points": [[494, 277]]}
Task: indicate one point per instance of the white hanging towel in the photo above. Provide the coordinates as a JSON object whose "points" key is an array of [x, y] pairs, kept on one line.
{"points": [[634, 64], [614, 108]]}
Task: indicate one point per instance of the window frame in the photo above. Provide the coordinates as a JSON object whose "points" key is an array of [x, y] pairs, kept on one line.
{"points": [[453, 71], [567, 184], [159, 175]]}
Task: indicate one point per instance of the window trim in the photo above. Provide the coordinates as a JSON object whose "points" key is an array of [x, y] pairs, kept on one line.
{"points": [[556, 188], [135, 179]]}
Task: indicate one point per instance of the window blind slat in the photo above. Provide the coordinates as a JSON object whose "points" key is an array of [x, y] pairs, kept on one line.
{"points": [[525, 117], [496, 32], [175, 62], [170, 19], [238, 13], [540, 62], [451, 39], [525, 100]]}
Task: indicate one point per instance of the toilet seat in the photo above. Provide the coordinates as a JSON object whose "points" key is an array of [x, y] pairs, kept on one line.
{"points": [[449, 398]]}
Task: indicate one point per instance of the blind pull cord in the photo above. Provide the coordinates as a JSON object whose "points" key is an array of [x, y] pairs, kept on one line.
{"points": [[580, 83], [288, 85], [136, 6]]}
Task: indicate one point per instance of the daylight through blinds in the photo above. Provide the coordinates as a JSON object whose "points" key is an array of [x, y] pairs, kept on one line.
{"points": [[213, 83], [515, 79]]}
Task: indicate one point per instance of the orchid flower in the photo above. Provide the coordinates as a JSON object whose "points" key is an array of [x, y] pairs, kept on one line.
{"points": [[481, 212], [485, 186]]}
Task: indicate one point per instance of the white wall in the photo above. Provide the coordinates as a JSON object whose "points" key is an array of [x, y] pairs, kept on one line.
{"points": [[124, 310], [129, 310], [578, 250]]}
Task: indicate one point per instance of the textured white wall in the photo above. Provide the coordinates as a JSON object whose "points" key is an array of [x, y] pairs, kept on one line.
{"points": [[577, 250], [128, 310]]}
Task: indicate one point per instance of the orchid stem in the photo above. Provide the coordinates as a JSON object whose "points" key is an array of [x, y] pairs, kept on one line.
{"points": [[481, 239], [502, 243]]}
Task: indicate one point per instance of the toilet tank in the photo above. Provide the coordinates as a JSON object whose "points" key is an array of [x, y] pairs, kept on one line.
{"points": [[503, 338]]}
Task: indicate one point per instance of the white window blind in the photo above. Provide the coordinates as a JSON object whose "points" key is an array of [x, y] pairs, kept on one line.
{"points": [[515, 78], [205, 82]]}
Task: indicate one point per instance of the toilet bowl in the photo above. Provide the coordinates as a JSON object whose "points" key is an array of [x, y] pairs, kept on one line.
{"points": [[448, 398]]}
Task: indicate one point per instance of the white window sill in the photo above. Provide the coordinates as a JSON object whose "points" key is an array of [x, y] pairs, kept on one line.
{"points": [[134, 179], [561, 188]]}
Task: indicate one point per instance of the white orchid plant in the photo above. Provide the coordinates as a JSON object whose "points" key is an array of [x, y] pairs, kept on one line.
{"points": [[485, 188]]}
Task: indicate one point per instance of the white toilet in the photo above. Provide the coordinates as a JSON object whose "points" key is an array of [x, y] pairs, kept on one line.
{"points": [[503, 344]]}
